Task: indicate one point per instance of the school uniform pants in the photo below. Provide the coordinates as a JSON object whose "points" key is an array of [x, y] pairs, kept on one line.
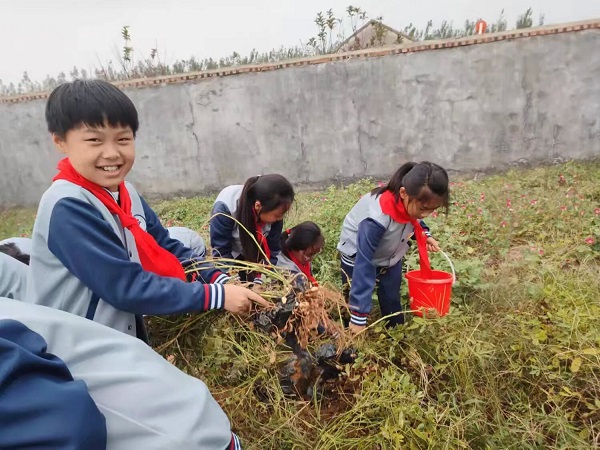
{"points": [[387, 282]]}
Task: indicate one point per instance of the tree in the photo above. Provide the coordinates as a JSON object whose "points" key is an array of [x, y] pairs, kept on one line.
{"points": [[61, 78], [500, 24], [49, 83], [525, 20], [74, 74]]}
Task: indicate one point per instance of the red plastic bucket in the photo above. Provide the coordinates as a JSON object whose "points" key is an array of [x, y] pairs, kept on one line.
{"points": [[430, 293]]}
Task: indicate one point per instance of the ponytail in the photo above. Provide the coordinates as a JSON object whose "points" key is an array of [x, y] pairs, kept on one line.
{"points": [[395, 182], [420, 180], [301, 237], [285, 237]]}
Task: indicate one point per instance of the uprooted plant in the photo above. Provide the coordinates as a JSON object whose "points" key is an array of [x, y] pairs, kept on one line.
{"points": [[301, 316]]}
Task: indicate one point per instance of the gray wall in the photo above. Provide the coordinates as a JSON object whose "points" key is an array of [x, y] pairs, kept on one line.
{"points": [[469, 108]]}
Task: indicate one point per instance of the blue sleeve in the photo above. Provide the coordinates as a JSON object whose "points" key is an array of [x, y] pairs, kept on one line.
{"points": [[370, 233], [88, 247], [274, 240], [206, 271], [41, 406], [221, 231]]}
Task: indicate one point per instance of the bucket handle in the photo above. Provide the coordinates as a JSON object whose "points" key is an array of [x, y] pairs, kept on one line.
{"points": [[451, 266]]}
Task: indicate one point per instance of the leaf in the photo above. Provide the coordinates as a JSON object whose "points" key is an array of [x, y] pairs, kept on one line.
{"points": [[591, 351], [576, 365], [541, 335]]}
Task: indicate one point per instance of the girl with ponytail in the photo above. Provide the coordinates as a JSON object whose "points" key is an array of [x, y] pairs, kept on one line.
{"points": [[375, 237], [259, 206], [299, 245]]}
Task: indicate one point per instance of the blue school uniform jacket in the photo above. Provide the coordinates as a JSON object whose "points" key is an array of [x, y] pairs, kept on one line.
{"points": [[286, 263], [300, 280], [41, 405], [13, 277], [143, 401], [225, 232], [83, 261], [371, 240]]}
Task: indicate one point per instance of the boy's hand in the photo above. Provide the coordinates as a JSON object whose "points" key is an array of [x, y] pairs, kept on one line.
{"points": [[258, 288], [355, 329], [239, 300], [432, 245]]}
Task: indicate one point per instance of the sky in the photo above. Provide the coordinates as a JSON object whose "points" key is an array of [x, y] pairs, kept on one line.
{"points": [[49, 36]]}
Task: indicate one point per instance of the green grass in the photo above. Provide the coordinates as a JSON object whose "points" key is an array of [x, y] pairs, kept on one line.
{"points": [[514, 365]]}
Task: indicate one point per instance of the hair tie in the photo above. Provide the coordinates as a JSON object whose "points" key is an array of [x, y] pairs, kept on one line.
{"points": [[288, 231]]}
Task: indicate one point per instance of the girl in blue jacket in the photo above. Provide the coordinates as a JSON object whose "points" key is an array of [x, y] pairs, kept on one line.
{"points": [[375, 237], [259, 206]]}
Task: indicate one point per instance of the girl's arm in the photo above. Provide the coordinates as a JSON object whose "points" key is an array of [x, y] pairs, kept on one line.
{"points": [[370, 233], [221, 231], [425, 229], [274, 240]]}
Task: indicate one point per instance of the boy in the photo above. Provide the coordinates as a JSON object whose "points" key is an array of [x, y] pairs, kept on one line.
{"points": [[99, 251]]}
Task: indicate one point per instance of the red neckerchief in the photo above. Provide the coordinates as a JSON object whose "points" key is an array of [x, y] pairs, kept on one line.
{"points": [[153, 257], [304, 268], [398, 213], [262, 239]]}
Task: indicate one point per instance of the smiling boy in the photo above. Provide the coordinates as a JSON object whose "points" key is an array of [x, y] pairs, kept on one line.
{"points": [[99, 251]]}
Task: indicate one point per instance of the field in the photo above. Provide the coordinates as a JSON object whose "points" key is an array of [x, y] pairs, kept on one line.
{"points": [[516, 363]]}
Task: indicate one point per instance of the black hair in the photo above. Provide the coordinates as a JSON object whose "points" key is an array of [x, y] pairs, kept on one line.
{"points": [[11, 249], [422, 181], [89, 102], [301, 237], [272, 191]]}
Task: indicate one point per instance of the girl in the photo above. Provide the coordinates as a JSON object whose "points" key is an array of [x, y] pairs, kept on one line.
{"points": [[259, 205], [375, 237], [299, 245]]}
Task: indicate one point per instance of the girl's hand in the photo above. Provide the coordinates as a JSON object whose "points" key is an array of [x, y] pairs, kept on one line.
{"points": [[355, 329], [432, 245]]}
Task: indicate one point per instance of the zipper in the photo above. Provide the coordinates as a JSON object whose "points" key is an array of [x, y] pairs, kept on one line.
{"points": [[398, 246], [116, 219]]}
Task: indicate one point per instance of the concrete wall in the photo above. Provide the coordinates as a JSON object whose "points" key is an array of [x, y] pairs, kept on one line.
{"points": [[468, 108]]}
